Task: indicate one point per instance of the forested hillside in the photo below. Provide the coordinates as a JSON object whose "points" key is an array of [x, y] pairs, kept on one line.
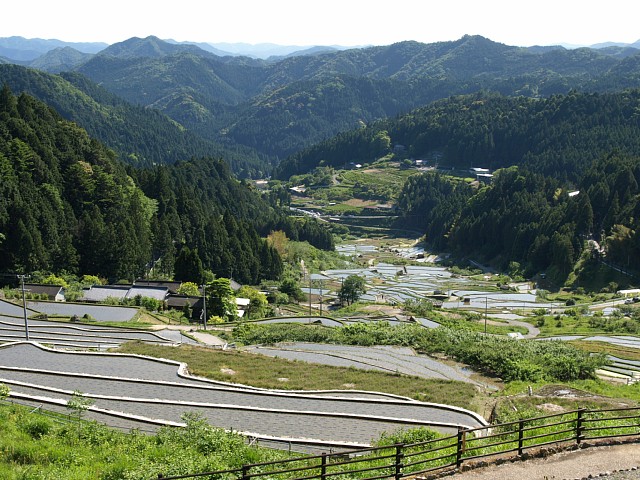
{"points": [[558, 136], [566, 169], [281, 107], [528, 223], [68, 204], [255, 113], [59, 189], [140, 136], [251, 113]]}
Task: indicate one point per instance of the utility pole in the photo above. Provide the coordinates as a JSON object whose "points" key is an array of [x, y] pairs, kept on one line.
{"points": [[485, 315], [24, 306], [309, 295], [204, 304]]}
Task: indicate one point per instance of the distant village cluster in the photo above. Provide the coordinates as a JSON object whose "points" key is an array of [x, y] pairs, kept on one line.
{"points": [[165, 292]]}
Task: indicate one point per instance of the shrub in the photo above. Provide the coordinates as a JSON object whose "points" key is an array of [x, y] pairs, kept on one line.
{"points": [[4, 391], [411, 435], [36, 427]]}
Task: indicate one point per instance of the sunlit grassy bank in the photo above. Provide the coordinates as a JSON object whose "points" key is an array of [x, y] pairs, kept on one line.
{"points": [[277, 373], [38, 447]]}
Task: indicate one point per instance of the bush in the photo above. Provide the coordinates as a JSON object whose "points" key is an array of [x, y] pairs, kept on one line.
{"points": [[36, 427], [412, 435], [4, 391]]}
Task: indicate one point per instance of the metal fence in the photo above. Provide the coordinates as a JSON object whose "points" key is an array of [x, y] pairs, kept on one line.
{"points": [[404, 460]]}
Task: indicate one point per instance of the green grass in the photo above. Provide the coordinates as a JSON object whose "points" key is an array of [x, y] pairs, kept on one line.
{"points": [[33, 446], [611, 393], [267, 372], [594, 275], [343, 209], [38, 447], [565, 325], [628, 353], [582, 325]]}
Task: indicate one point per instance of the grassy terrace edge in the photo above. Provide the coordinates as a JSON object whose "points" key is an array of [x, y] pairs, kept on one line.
{"points": [[267, 372]]}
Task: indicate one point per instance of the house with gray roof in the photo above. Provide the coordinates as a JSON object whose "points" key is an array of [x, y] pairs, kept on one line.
{"points": [[100, 293], [168, 284], [53, 292], [157, 293]]}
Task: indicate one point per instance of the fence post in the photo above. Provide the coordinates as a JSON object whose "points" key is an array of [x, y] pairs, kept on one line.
{"points": [[520, 436], [399, 458], [323, 466], [245, 472], [579, 426], [460, 445]]}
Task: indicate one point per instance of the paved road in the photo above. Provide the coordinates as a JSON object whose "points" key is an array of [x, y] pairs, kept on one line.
{"points": [[154, 390], [586, 463]]}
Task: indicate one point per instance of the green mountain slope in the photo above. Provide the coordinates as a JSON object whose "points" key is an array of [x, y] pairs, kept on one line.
{"points": [[566, 170], [558, 136], [141, 136], [68, 204], [281, 107], [60, 59]]}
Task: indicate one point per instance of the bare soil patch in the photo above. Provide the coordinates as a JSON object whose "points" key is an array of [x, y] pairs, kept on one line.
{"points": [[356, 202]]}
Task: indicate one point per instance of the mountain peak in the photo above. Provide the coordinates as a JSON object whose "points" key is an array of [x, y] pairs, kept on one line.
{"points": [[149, 47]]}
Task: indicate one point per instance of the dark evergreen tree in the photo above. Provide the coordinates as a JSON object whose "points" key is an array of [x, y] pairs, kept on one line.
{"points": [[188, 266]]}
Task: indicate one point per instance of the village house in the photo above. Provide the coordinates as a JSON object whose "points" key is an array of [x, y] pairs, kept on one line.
{"points": [[53, 292]]}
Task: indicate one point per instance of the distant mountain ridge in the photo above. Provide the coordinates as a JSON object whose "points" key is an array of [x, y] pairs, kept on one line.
{"points": [[283, 106], [150, 47], [60, 59], [277, 107], [270, 50], [28, 49]]}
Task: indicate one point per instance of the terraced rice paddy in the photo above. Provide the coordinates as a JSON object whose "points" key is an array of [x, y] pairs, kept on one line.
{"points": [[149, 392], [400, 360], [626, 368], [99, 313], [76, 335]]}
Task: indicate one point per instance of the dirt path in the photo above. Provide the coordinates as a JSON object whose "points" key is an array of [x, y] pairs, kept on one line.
{"points": [[586, 463], [202, 337]]}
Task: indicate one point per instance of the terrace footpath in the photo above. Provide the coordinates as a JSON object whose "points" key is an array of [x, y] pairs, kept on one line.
{"points": [[202, 337], [590, 462]]}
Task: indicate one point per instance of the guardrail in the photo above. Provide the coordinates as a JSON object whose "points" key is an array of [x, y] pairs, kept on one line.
{"points": [[403, 460]]}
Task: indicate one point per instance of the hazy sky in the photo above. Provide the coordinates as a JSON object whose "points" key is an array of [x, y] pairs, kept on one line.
{"points": [[326, 22]]}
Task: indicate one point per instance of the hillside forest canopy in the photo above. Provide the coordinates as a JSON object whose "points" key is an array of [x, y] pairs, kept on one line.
{"points": [[67, 204], [154, 101], [565, 177]]}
